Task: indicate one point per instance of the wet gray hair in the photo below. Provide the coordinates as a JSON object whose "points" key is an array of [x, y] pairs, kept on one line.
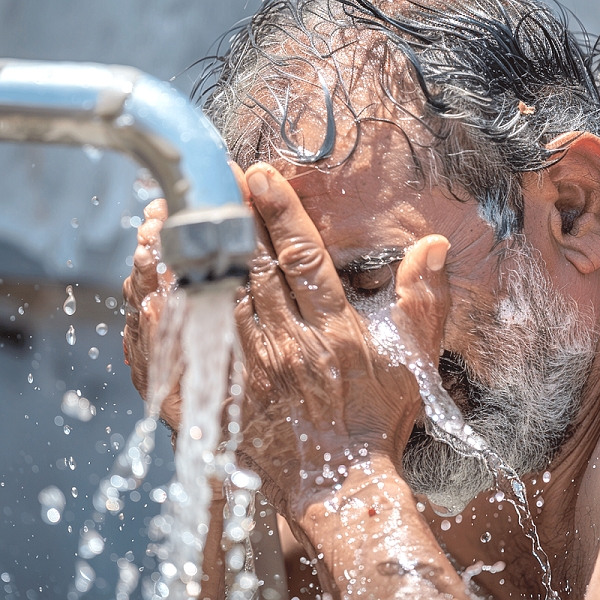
{"points": [[497, 80]]}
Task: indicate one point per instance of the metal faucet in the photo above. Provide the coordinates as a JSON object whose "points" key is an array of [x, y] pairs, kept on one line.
{"points": [[209, 234]]}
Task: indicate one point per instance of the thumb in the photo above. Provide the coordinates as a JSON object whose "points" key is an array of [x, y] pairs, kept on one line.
{"points": [[423, 297]]}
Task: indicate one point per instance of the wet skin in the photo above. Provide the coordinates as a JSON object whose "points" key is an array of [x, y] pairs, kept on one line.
{"points": [[366, 208]]}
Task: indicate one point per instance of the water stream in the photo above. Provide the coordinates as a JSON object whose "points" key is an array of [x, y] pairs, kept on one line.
{"points": [[195, 329], [445, 423]]}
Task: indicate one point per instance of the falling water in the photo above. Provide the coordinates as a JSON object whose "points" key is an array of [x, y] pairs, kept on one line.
{"points": [[196, 329], [207, 342], [445, 422]]}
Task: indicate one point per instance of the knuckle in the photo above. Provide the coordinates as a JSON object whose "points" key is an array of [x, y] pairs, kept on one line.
{"points": [[262, 265], [300, 258]]}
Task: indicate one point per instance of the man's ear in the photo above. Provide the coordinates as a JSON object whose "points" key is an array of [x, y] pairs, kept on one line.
{"points": [[575, 194]]}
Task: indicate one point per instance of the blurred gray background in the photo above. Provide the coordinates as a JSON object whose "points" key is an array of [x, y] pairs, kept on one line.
{"points": [[53, 235]]}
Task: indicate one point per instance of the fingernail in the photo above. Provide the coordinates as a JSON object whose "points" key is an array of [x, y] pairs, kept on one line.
{"points": [[436, 256], [258, 183]]}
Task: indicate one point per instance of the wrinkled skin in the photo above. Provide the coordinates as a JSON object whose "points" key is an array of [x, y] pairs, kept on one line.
{"points": [[309, 361]]}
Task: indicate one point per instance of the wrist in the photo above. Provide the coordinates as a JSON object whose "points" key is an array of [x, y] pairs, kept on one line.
{"points": [[368, 535]]}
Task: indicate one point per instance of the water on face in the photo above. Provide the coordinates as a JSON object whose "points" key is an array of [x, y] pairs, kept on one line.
{"points": [[445, 422]]}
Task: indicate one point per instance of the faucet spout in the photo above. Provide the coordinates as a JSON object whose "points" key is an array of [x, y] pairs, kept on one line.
{"points": [[209, 234]]}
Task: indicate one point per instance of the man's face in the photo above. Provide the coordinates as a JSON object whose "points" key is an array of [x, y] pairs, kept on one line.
{"points": [[515, 353]]}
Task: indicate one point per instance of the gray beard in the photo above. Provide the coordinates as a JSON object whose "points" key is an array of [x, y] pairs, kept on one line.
{"points": [[536, 359]]}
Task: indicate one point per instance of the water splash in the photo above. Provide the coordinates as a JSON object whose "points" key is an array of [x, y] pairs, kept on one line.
{"points": [[445, 422]]}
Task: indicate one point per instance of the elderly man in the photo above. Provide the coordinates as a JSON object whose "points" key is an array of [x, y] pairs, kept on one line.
{"points": [[431, 167]]}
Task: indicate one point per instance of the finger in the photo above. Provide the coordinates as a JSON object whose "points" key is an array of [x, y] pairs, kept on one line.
{"points": [[144, 278], [302, 256], [157, 209], [138, 337], [423, 295]]}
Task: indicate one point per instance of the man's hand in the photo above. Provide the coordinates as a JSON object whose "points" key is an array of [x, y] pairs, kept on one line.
{"points": [[319, 395], [145, 292], [327, 414]]}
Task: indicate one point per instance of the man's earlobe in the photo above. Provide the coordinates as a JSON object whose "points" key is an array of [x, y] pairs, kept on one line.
{"points": [[575, 214]]}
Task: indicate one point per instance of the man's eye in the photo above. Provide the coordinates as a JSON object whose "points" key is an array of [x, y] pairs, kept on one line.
{"points": [[371, 280]]}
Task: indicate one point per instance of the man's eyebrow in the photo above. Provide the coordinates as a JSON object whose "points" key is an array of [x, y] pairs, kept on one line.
{"points": [[370, 262]]}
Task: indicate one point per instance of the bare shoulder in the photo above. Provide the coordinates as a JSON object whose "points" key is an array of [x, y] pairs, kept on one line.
{"points": [[588, 521]]}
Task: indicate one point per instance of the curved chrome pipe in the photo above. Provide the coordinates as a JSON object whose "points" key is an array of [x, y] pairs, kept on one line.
{"points": [[210, 234]]}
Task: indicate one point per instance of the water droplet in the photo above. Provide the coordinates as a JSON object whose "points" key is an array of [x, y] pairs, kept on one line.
{"points": [[77, 406], [420, 506], [445, 525], [70, 304], [70, 264], [101, 328], [158, 495], [458, 518], [30, 378], [161, 268], [111, 302], [74, 492], [71, 338], [93, 353], [485, 537], [109, 368], [108, 430], [539, 502], [84, 577], [21, 310], [95, 200], [74, 223], [546, 476], [67, 429], [53, 502], [90, 543], [71, 463], [97, 298], [70, 529]]}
